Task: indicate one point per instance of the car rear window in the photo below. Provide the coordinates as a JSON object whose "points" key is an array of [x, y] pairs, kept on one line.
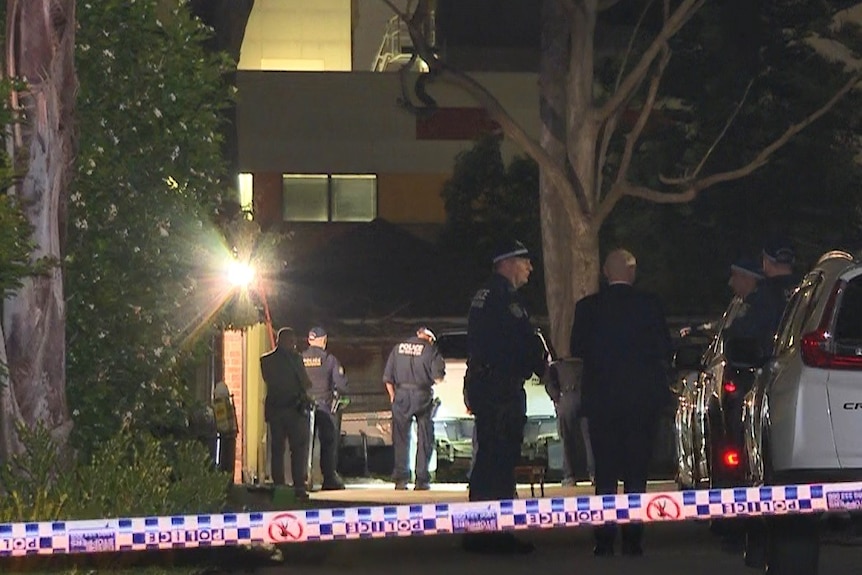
{"points": [[848, 325], [453, 345]]}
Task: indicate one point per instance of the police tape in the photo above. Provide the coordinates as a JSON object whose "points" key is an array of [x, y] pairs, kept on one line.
{"points": [[297, 526]]}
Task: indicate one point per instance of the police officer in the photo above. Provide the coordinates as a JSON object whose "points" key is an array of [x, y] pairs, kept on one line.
{"points": [[413, 367], [502, 352], [328, 382], [286, 409], [764, 306]]}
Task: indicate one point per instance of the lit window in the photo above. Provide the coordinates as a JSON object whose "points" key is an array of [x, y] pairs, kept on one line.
{"points": [[354, 198], [330, 198], [246, 192], [306, 198]]}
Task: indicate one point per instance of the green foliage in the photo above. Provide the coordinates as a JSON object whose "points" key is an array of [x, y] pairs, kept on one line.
{"points": [[488, 201], [128, 476], [141, 295]]}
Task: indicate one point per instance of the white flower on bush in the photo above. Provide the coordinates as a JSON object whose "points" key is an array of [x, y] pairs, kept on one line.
{"points": [[81, 224], [157, 112]]}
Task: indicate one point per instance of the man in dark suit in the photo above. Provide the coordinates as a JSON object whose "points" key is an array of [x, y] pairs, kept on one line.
{"points": [[622, 337], [286, 410]]}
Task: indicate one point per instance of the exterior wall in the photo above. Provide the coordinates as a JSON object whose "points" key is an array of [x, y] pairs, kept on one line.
{"points": [[234, 377], [308, 122], [298, 35]]}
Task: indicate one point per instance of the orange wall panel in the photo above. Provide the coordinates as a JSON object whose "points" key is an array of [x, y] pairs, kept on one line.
{"points": [[411, 198]]}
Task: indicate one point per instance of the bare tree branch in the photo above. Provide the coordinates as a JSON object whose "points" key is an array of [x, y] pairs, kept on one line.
{"points": [[724, 130], [657, 197], [697, 185], [617, 190], [632, 81], [495, 110], [609, 125]]}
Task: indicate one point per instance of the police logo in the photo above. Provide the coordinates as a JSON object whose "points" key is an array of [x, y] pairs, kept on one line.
{"points": [[479, 298], [312, 361], [517, 310]]}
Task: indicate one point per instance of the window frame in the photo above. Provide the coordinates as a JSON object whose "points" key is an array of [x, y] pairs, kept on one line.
{"points": [[330, 197]]}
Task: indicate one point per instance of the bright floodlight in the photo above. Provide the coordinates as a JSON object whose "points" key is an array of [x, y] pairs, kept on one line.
{"points": [[240, 274]]}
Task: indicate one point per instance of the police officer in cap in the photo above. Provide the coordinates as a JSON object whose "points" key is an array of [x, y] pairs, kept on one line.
{"points": [[765, 305], [327, 383], [413, 367], [502, 352]]}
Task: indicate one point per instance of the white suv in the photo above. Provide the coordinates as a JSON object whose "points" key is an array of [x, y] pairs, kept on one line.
{"points": [[802, 419]]}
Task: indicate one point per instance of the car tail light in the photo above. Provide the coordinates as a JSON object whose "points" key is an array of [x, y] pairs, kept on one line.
{"points": [[729, 386], [730, 458], [818, 346]]}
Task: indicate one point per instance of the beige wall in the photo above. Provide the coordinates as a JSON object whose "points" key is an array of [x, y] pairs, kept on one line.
{"points": [[411, 198], [298, 35], [308, 122]]}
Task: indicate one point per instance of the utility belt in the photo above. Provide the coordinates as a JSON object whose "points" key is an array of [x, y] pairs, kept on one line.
{"points": [[423, 386]]}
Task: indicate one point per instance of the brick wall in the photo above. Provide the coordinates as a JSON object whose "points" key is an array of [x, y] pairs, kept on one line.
{"points": [[233, 378]]}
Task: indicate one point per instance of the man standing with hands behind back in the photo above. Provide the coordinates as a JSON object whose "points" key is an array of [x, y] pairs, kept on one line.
{"points": [[622, 337]]}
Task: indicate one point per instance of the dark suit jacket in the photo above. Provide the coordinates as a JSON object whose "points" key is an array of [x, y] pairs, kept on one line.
{"points": [[622, 336], [287, 382]]}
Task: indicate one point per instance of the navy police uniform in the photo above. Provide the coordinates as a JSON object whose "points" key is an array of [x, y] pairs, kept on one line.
{"points": [[503, 351], [413, 366], [286, 409], [763, 308], [328, 381]]}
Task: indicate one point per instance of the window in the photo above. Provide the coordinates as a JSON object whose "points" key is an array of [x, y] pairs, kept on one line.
{"points": [[329, 198], [246, 192]]}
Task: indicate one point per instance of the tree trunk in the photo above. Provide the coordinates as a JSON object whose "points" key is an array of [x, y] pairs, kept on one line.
{"points": [[568, 137], [40, 49]]}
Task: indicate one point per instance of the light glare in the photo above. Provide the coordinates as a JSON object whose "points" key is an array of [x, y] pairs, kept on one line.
{"points": [[240, 274]]}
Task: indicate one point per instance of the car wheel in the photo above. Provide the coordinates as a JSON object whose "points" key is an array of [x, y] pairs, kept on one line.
{"points": [[793, 545]]}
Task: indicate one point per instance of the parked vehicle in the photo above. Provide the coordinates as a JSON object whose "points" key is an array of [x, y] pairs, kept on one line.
{"points": [[802, 419], [708, 418]]}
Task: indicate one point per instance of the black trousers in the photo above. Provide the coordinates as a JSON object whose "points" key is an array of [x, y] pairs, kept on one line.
{"points": [[622, 446], [291, 426], [499, 432], [410, 403], [327, 434]]}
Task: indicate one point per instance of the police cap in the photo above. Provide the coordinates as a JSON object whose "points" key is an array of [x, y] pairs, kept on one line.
{"points": [[748, 266], [779, 250], [509, 249]]}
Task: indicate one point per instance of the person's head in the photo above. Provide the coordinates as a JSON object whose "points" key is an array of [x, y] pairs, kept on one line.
{"points": [[744, 275], [426, 334], [317, 337], [511, 260], [620, 267], [778, 257], [286, 339]]}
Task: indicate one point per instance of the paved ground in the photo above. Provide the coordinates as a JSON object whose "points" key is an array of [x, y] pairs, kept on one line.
{"points": [[670, 548]]}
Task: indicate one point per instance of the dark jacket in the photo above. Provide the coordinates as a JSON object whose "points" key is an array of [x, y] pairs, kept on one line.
{"points": [[763, 309], [287, 383], [414, 361], [622, 336], [500, 337], [326, 374]]}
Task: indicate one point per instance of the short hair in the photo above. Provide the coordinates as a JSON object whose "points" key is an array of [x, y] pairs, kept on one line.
{"points": [[285, 333]]}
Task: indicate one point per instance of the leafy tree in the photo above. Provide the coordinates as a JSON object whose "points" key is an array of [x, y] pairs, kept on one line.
{"points": [[144, 259], [592, 132]]}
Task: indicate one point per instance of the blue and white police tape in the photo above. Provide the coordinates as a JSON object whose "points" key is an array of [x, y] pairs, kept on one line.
{"points": [[296, 526]]}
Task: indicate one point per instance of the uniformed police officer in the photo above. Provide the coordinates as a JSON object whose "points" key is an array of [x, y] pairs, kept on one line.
{"points": [[286, 409], [327, 383], [765, 305], [502, 352], [413, 367]]}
